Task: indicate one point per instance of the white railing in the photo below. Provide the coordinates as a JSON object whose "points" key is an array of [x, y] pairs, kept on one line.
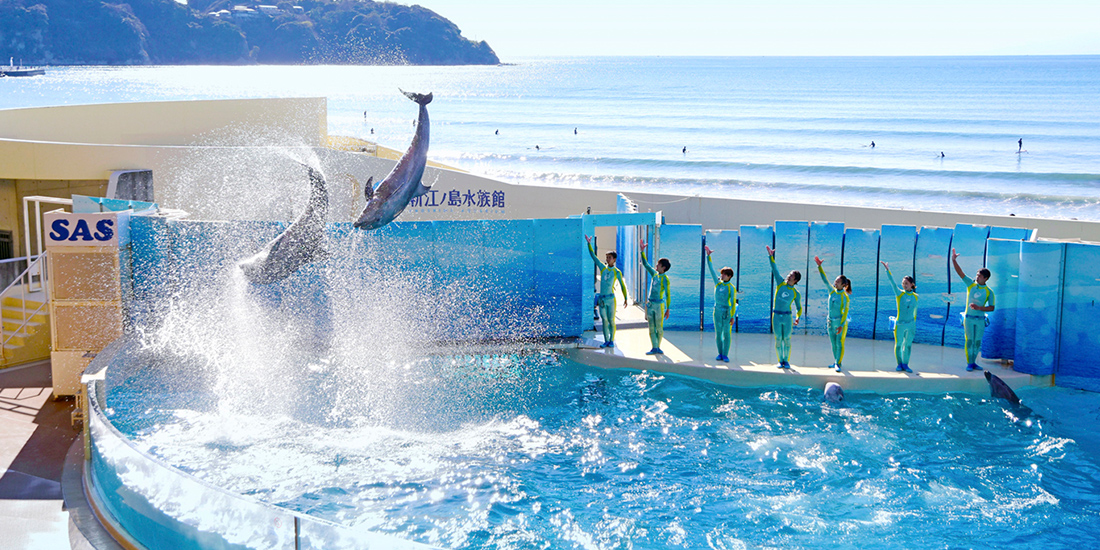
{"points": [[36, 283], [20, 288]]}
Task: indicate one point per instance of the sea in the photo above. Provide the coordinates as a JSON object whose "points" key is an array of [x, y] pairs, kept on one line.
{"points": [[918, 133]]}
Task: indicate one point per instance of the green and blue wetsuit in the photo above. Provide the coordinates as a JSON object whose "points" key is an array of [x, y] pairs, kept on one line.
{"points": [[660, 298], [905, 327], [782, 318], [725, 307], [606, 301], [974, 320], [837, 326]]}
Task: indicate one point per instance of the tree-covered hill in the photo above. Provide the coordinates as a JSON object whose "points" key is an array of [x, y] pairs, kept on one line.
{"points": [[138, 32]]}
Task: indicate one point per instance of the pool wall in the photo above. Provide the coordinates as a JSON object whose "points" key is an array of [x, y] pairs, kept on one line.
{"points": [[1047, 292], [520, 269]]}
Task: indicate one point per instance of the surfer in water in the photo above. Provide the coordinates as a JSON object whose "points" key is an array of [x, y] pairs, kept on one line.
{"points": [[872, 144], [1021, 144]]}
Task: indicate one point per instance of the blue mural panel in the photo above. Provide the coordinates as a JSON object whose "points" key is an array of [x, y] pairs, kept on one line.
{"points": [[860, 260], [931, 264], [827, 243], [1037, 311], [1011, 233], [792, 245], [723, 244], [1079, 346], [754, 280], [897, 246], [560, 283], [1002, 257], [683, 246], [969, 242]]}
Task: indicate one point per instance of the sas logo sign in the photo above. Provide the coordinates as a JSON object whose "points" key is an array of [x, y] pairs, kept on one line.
{"points": [[98, 229]]}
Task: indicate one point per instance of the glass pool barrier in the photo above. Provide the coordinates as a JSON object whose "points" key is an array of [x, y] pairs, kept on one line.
{"points": [[162, 507]]}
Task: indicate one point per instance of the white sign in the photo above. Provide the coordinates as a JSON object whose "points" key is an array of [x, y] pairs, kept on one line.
{"points": [[95, 229]]}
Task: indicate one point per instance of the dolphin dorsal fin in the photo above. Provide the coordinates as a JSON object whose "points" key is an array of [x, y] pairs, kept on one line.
{"points": [[368, 189], [421, 189]]}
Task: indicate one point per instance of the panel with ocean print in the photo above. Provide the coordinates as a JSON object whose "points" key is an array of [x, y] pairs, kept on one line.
{"points": [[931, 263], [1037, 310], [754, 280], [896, 247], [860, 259], [827, 243], [1080, 339], [723, 244], [969, 242], [683, 246], [1002, 257], [792, 241]]}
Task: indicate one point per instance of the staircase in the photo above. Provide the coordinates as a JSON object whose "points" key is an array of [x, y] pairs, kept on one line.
{"points": [[25, 314]]}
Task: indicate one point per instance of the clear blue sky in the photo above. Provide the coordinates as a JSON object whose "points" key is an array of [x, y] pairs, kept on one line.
{"points": [[520, 28]]}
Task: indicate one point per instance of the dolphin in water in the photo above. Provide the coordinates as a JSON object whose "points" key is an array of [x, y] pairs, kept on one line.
{"points": [[834, 393], [998, 388], [303, 242], [403, 183]]}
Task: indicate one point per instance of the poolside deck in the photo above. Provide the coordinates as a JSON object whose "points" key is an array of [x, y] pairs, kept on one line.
{"points": [[869, 365]]}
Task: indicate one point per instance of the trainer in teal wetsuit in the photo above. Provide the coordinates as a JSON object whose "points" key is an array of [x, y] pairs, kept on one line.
{"points": [[725, 307], [659, 302], [839, 302], [606, 302], [979, 301], [905, 326], [783, 322]]}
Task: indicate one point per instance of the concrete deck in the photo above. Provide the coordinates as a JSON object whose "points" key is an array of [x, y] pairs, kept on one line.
{"points": [[36, 435], [869, 365]]}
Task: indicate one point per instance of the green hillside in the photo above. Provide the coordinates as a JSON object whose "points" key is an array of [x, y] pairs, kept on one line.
{"points": [[165, 32]]}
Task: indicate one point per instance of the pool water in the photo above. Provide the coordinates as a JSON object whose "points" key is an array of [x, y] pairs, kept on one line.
{"points": [[529, 450]]}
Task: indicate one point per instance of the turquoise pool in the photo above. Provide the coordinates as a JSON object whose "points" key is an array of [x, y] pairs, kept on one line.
{"points": [[525, 449]]}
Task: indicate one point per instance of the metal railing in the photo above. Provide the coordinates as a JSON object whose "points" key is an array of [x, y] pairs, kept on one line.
{"points": [[20, 287], [37, 200]]}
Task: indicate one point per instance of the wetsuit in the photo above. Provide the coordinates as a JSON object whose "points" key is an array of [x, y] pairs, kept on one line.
{"points": [[782, 318], [660, 299], [974, 320], [606, 301], [837, 326], [905, 328], [725, 307]]}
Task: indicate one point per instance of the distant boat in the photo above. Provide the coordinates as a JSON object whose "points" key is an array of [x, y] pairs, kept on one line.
{"points": [[19, 70]]}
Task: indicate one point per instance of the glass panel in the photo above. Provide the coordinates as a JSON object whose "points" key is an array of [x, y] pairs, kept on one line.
{"points": [[896, 247], [683, 246], [969, 242], [860, 258], [932, 260], [827, 243], [724, 245], [1080, 339], [1037, 310], [754, 280], [1003, 260]]}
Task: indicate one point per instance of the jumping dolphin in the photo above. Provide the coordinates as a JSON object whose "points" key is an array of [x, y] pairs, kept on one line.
{"points": [[998, 388], [834, 393], [300, 244], [403, 183]]}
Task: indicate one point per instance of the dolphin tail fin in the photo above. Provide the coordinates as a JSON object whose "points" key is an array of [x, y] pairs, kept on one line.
{"points": [[368, 188], [420, 99]]}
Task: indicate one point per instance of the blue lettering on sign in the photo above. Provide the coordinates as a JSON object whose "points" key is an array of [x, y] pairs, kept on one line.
{"points": [[104, 231], [60, 230], [81, 232]]}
